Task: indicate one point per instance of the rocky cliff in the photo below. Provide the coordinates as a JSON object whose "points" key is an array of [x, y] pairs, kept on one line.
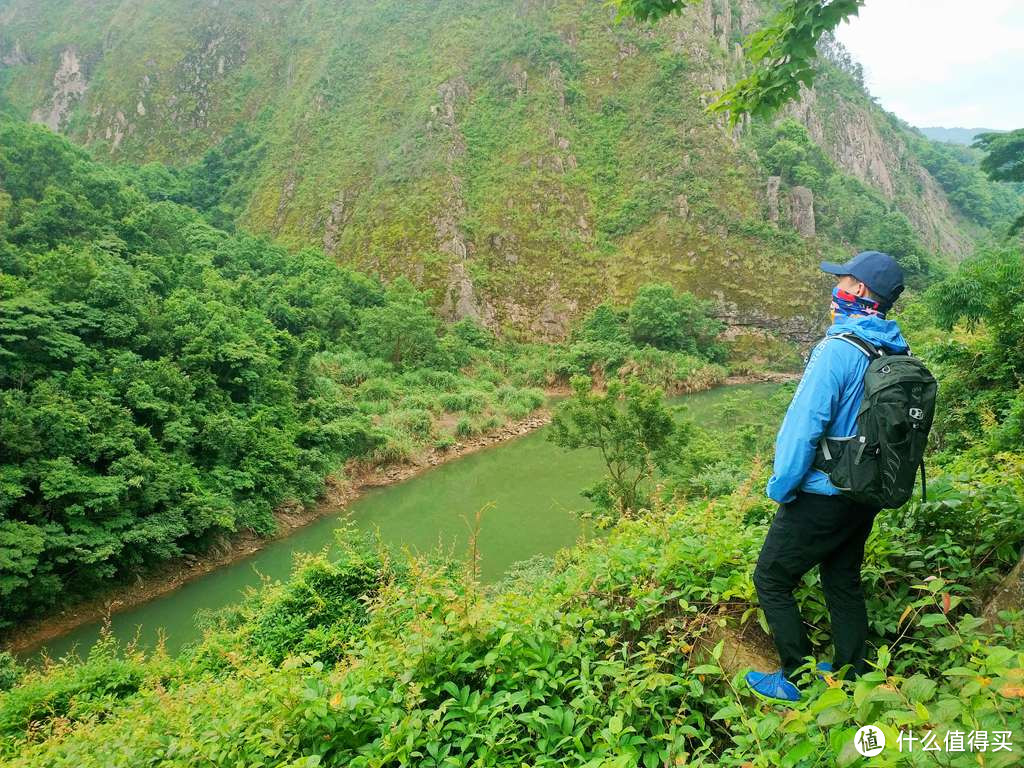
{"points": [[522, 159]]}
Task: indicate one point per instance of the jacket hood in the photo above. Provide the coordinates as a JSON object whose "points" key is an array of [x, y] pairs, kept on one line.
{"points": [[873, 329]]}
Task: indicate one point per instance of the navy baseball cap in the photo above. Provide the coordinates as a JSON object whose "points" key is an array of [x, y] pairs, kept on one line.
{"points": [[878, 271]]}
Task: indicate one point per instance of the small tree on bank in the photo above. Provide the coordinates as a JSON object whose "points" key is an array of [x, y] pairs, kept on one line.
{"points": [[632, 428]]}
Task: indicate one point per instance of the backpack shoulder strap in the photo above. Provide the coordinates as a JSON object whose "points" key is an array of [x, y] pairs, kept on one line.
{"points": [[869, 349]]}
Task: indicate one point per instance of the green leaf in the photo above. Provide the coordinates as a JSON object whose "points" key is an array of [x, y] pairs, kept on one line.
{"points": [[832, 697], [919, 688], [960, 672], [727, 712], [615, 724], [804, 749], [706, 669]]}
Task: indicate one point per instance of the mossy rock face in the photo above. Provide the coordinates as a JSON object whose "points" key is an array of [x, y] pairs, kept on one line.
{"points": [[521, 161]]}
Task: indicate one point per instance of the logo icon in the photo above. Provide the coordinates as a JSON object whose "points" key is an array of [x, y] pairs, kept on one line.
{"points": [[869, 740], [916, 413]]}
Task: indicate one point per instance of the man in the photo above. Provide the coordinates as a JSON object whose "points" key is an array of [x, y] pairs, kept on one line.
{"points": [[814, 524]]}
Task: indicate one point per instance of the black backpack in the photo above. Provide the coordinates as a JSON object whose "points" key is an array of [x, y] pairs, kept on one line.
{"points": [[878, 465]]}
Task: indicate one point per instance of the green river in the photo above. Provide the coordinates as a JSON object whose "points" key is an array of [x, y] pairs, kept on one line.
{"points": [[531, 489]]}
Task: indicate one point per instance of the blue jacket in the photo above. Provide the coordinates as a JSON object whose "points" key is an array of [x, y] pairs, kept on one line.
{"points": [[826, 403]]}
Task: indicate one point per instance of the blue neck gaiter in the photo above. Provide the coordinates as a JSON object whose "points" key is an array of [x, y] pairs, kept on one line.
{"points": [[850, 305]]}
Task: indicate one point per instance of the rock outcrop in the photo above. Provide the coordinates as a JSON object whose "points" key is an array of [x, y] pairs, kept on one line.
{"points": [[862, 146], [461, 299], [69, 85], [772, 194], [801, 210]]}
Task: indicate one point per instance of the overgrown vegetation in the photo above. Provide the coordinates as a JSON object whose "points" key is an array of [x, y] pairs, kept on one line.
{"points": [[617, 653], [585, 164], [165, 383]]}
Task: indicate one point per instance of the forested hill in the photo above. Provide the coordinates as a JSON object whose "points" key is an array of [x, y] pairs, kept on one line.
{"points": [[510, 156], [954, 135]]}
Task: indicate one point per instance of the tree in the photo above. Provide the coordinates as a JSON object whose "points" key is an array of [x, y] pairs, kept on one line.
{"points": [[1004, 161], [403, 330], [678, 322], [633, 430], [782, 52]]}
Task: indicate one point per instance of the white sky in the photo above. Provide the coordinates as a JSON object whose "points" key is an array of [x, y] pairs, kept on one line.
{"points": [[952, 63]]}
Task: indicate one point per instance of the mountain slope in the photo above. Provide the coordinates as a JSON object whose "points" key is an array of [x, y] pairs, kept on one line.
{"points": [[522, 160], [953, 135]]}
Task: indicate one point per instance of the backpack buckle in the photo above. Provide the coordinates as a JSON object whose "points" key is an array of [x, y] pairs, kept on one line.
{"points": [[916, 413]]}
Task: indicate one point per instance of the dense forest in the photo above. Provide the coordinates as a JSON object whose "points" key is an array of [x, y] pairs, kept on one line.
{"points": [[239, 277], [166, 383]]}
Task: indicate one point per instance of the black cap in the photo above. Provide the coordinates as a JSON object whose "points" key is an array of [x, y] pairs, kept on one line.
{"points": [[878, 271]]}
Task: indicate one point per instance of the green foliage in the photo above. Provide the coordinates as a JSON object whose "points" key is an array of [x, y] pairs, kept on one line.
{"points": [[783, 52], [664, 338], [164, 383], [845, 209], [614, 654], [403, 331], [981, 399], [218, 185], [315, 614], [665, 319], [634, 437], [1004, 160], [1004, 154], [957, 169], [47, 702], [11, 671], [606, 324]]}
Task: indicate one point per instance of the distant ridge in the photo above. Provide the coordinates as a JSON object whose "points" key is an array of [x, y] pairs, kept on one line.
{"points": [[955, 135]]}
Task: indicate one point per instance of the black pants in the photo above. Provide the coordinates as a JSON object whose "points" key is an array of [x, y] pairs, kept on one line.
{"points": [[828, 531]]}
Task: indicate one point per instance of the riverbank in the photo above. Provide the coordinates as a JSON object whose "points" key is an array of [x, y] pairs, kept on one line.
{"points": [[359, 476]]}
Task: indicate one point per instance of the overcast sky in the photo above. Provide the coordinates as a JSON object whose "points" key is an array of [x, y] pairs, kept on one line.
{"points": [[953, 63]]}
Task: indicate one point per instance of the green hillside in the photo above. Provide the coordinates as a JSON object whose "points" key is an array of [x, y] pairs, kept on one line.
{"points": [[510, 157], [249, 248]]}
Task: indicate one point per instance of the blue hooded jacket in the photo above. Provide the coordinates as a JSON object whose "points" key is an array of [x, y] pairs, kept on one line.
{"points": [[826, 403]]}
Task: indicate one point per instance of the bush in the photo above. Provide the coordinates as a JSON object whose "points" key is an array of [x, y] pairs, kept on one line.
{"points": [[315, 613], [466, 401], [472, 333], [465, 428], [10, 671], [673, 321], [415, 422], [376, 390]]}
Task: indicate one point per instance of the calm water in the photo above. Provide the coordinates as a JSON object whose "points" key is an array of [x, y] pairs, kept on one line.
{"points": [[529, 487]]}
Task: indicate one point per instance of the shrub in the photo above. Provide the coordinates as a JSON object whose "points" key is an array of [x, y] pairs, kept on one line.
{"points": [[10, 671], [466, 401], [673, 321], [376, 390]]}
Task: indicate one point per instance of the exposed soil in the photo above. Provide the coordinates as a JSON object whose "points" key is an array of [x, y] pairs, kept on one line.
{"points": [[762, 376]]}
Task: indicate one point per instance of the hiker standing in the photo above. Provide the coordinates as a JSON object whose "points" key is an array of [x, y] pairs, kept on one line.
{"points": [[816, 522]]}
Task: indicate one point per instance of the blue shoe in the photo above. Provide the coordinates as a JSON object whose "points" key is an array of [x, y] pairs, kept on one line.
{"points": [[772, 687], [824, 668]]}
